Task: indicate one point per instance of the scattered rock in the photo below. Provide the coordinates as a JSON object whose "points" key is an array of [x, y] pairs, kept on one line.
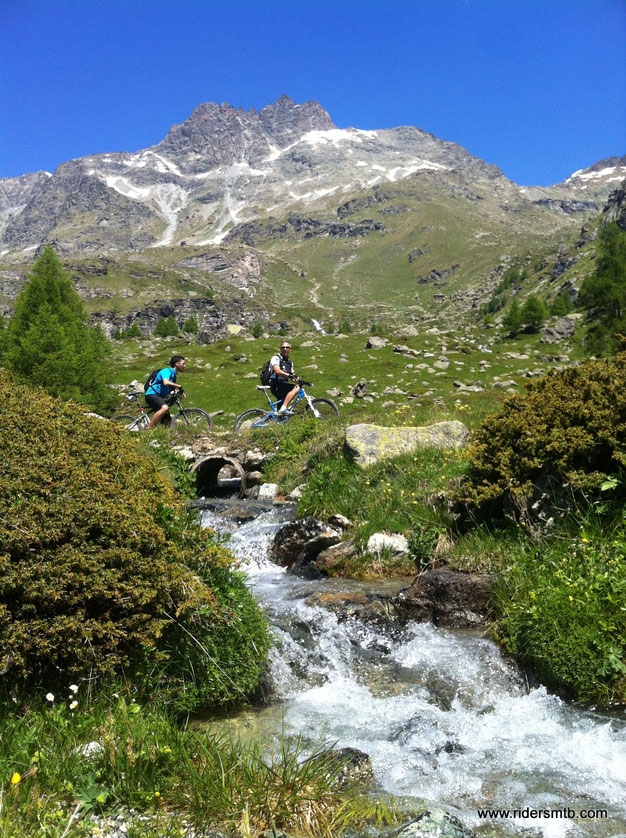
{"points": [[297, 545], [328, 559], [369, 608], [268, 490], [434, 824], [375, 342], [334, 392], [561, 330], [397, 545], [360, 390], [370, 443], [448, 597], [338, 520]]}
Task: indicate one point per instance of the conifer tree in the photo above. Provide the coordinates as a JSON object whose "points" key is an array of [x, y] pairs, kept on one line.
{"points": [[512, 320], [48, 342], [166, 327], [533, 313], [603, 293]]}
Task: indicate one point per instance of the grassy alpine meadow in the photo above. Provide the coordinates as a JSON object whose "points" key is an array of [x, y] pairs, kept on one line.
{"points": [[403, 388]]}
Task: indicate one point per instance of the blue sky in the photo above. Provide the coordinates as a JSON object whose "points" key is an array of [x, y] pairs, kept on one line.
{"points": [[535, 86]]}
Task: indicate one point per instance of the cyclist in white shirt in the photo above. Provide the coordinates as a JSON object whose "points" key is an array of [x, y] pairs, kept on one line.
{"points": [[282, 371]]}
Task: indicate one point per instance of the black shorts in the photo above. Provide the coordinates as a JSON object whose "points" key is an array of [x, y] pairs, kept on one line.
{"points": [[281, 388], [154, 402]]}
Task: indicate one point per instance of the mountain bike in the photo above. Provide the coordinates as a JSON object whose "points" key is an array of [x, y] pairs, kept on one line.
{"points": [[194, 417], [256, 417]]}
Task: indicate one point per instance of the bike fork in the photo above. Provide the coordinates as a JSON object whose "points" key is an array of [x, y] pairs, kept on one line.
{"points": [[312, 407]]}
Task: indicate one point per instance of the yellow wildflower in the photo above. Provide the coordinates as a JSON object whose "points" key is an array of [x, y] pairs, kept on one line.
{"points": [[15, 778]]}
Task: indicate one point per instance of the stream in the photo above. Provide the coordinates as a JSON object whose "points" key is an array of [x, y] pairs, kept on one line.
{"points": [[446, 719]]}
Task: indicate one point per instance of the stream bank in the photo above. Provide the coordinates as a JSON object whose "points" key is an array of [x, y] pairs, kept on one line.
{"points": [[446, 720]]}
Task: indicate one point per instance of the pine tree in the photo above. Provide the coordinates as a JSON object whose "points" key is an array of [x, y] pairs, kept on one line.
{"points": [[190, 325], [166, 328], [561, 305], [534, 313], [512, 320], [603, 293], [48, 342]]}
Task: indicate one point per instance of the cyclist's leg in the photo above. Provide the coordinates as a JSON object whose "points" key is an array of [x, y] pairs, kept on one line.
{"points": [[160, 408]]}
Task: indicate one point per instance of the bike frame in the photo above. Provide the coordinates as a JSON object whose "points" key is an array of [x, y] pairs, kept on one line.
{"points": [[143, 420], [274, 406]]}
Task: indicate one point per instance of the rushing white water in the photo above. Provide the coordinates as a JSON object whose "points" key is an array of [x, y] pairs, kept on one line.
{"points": [[445, 718], [318, 326]]}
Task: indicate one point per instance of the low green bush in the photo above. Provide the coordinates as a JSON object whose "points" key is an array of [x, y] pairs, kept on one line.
{"points": [[562, 607], [567, 433], [102, 571]]}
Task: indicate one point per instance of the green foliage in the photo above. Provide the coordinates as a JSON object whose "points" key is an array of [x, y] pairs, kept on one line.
{"points": [[190, 325], [112, 754], [48, 342], [561, 305], [101, 569], [166, 327], [345, 327], [562, 614], [257, 330], [569, 430], [132, 332], [3, 335], [603, 293], [422, 542], [534, 313], [512, 320]]}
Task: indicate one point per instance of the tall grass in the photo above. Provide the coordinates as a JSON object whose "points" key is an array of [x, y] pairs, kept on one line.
{"points": [[63, 764]]}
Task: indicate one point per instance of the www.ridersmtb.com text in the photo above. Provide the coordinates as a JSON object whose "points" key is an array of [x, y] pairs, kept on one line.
{"points": [[526, 812]]}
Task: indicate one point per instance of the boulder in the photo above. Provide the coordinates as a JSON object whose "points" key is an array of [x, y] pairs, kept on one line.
{"points": [[401, 349], [338, 520], [334, 392], [355, 767], [448, 597], [268, 490], [297, 545], [369, 608], [375, 342], [359, 390], [561, 330], [370, 443], [434, 823], [328, 559], [397, 545], [408, 332]]}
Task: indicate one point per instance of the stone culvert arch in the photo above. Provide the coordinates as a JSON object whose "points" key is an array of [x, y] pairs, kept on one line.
{"points": [[218, 476]]}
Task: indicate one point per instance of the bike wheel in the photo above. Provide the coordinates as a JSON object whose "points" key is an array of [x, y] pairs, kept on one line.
{"points": [[130, 423], [249, 418], [326, 408], [196, 418]]}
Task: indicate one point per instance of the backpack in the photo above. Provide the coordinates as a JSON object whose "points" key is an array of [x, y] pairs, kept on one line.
{"points": [[151, 379], [265, 373]]}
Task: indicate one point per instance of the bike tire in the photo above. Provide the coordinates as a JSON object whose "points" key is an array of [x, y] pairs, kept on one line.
{"points": [[198, 419], [246, 419], [126, 420], [326, 408]]}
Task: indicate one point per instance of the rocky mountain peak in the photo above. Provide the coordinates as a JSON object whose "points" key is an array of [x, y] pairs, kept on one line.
{"points": [[221, 135]]}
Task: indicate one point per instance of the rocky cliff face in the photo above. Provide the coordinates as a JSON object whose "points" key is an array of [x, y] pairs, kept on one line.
{"points": [[226, 167]]}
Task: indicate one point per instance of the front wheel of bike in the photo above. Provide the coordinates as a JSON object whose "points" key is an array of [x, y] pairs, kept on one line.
{"points": [[249, 418], [326, 408], [196, 418]]}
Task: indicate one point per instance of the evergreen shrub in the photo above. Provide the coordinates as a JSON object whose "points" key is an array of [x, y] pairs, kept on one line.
{"points": [[568, 431], [101, 570]]}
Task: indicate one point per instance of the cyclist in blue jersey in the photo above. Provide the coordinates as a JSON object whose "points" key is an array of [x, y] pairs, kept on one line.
{"points": [[159, 390]]}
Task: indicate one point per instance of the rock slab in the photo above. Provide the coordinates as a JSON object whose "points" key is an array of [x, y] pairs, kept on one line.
{"points": [[370, 443]]}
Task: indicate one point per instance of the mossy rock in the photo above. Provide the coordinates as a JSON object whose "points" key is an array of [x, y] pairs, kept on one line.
{"points": [[370, 443]]}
